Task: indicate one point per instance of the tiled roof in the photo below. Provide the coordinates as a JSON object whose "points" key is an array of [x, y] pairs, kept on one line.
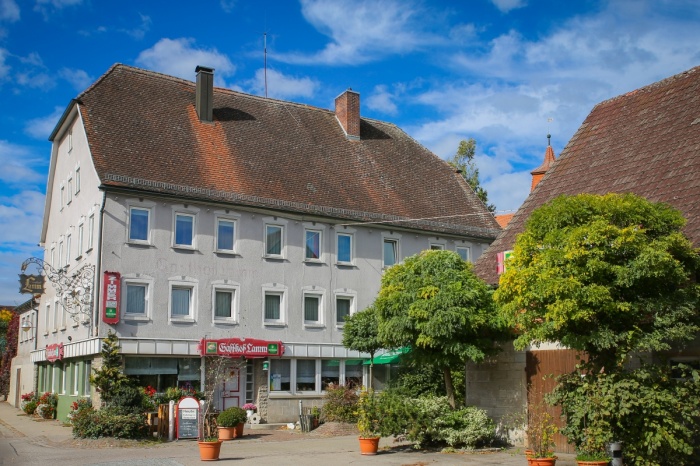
{"points": [[144, 133], [504, 219], [646, 142], [549, 159]]}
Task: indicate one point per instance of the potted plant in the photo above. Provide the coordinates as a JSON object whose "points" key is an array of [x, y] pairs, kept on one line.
{"points": [[249, 408], [592, 451], [540, 437], [230, 423], [316, 415], [368, 422]]}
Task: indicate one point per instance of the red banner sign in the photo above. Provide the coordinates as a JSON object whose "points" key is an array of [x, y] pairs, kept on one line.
{"points": [[54, 352], [110, 298], [237, 347]]}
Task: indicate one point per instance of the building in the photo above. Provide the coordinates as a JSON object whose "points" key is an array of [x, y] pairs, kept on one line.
{"points": [[646, 142], [255, 224]]}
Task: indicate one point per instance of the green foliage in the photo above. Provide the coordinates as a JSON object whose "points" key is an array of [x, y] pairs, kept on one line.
{"points": [[340, 404], [414, 381], [541, 431], [11, 335], [434, 304], [90, 423], [46, 405], [431, 421], [109, 376], [127, 399], [656, 416], [176, 394], [360, 332], [231, 417], [368, 416], [608, 275], [463, 160], [30, 406]]}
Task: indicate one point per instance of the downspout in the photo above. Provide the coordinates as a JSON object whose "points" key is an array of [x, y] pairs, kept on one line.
{"points": [[98, 268]]}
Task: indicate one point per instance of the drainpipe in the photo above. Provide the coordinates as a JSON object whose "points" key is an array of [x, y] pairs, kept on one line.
{"points": [[98, 268]]}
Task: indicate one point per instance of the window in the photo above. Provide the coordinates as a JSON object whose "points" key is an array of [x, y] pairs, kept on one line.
{"points": [[91, 228], [63, 196], [184, 230], [273, 240], [280, 375], [273, 306], [437, 246], [70, 140], [53, 257], [225, 234], [343, 306], [353, 373], [63, 378], [69, 191], [306, 375], [47, 318], [77, 180], [312, 306], [87, 370], [464, 253], [80, 241], [344, 248], [76, 378], [64, 317], [60, 254], [180, 301], [138, 224], [313, 245], [136, 298], [391, 251], [330, 373], [54, 320], [223, 304], [68, 245]]}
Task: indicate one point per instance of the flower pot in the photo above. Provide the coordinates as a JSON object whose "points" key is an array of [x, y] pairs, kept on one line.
{"points": [[249, 412], [592, 463], [226, 433], [369, 445], [209, 451], [238, 430], [532, 461]]}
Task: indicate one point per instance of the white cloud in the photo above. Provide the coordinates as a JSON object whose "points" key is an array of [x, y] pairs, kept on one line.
{"points": [[9, 11], [281, 86], [227, 5], [140, 31], [362, 31], [507, 5], [4, 68], [79, 79], [180, 57], [41, 128], [46, 7], [381, 100], [20, 166]]}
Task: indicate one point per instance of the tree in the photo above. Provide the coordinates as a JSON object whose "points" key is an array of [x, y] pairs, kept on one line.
{"points": [[463, 160], [434, 304], [608, 275], [109, 376], [360, 334], [10, 328]]}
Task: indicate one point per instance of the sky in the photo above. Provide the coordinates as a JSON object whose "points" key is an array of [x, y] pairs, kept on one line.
{"points": [[504, 72]]}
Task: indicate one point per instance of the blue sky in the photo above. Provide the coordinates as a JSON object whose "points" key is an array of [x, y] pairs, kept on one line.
{"points": [[494, 70]]}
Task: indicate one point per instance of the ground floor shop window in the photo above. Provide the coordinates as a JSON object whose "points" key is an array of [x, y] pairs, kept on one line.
{"points": [[164, 373], [305, 376], [382, 373]]}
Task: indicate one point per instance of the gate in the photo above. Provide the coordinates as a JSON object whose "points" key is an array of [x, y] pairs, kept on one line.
{"points": [[542, 368]]}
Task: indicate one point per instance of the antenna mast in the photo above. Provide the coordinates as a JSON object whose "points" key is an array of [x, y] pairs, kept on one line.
{"points": [[265, 59]]}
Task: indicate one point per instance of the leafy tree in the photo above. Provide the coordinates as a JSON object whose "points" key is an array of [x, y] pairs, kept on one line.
{"points": [[109, 377], [360, 334], [11, 334], [463, 160], [434, 304], [608, 275]]}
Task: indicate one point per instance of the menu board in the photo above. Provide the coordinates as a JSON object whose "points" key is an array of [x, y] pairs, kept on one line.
{"points": [[188, 418]]}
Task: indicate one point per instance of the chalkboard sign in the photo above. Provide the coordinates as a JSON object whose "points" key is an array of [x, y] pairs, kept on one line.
{"points": [[188, 418]]}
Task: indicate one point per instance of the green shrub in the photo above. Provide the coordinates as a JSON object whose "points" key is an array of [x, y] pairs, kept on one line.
{"points": [[89, 423], [340, 404], [30, 406], [127, 399], [231, 417]]}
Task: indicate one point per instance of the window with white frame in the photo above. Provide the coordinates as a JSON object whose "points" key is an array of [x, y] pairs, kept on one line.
{"points": [[464, 253], [64, 378], [437, 246], [77, 179], [54, 317], [344, 248], [274, 236], [70, 140], [63, 196], [87, 370], [225, 298], [76, 378], [68, 247], [136, 296], [81, 234], [60, 254], [47, 318], [306, 372], [274, 304], [183, 299], [53, 256], [139, 224], [90, 231], [391, 251], [225, 234], [343, 308], [330, 373], [280, 375], [69, 191], [312, 245], [313, 308], [64, 317], [183, 231]]}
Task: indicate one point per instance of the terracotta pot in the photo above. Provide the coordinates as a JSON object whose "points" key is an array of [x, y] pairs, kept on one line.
{"points": [[531, 461], [528, 453], [592, 463], [226, 433], [209, 451], [369, 446], [238, 430]]}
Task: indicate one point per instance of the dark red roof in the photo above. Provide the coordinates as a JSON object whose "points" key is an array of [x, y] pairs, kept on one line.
{"points": [[646, 142], [144, 133]]}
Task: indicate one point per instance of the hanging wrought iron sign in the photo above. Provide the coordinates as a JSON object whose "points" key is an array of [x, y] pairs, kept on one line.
{"points": [[32, 284], [54, 352]]}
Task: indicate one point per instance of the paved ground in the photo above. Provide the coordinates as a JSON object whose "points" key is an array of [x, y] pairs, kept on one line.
{"points": [[26, 441]]}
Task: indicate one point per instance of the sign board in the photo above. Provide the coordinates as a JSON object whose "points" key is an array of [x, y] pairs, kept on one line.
{"points": [[502, 258], [237, 347], [33, 284], [110, 297], [54, 352], [188, 411]]}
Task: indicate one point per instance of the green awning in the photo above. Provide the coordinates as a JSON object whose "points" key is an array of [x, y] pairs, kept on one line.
{"points": [[348, 362], [389, 357]]}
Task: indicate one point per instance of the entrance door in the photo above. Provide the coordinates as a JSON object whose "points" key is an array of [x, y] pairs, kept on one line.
{"points": [[232, 391]]}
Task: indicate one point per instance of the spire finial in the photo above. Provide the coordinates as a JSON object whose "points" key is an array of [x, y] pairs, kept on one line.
{"points": [[549, 139]]}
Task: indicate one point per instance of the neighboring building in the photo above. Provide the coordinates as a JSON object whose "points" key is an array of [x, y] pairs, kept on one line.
{"points": [[646, 142], [212, 214]]}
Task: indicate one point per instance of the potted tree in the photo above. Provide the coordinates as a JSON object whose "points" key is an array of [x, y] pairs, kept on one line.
{"points": [[230, 423], [540, 437], [368, 422], [592, 451]]}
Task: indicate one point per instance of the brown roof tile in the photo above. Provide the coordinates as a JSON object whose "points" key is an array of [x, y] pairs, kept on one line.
{"points": [[646, 142], [144, 133]]}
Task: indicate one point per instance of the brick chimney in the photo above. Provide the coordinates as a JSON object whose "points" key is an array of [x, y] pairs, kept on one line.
{"points": [[549, 158], [204, 100], [347, 111]]}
